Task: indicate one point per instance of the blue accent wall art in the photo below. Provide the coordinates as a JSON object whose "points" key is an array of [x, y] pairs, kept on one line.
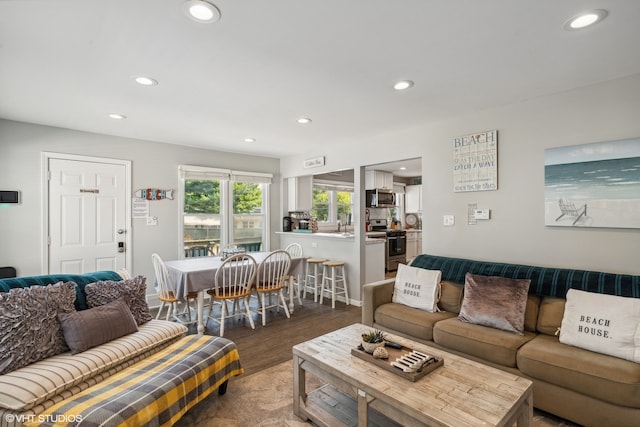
{"points": [[593, 185]]}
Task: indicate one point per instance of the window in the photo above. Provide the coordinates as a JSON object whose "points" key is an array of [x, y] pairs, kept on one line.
{"points": [[222, 207], [320, 207], [248, 215], [332, 202], [201, 214]]}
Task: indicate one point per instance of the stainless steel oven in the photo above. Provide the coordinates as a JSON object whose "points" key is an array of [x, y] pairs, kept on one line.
{"points": [[396, 249]]}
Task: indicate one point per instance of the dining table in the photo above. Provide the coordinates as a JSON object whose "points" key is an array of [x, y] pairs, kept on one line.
{"points": [[198, 275]]}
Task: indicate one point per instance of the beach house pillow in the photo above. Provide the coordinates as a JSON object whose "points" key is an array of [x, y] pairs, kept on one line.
{"points": [[417, 287], [498, 302], [29, 323], [88, 328], [132, 290], [602, 323]]}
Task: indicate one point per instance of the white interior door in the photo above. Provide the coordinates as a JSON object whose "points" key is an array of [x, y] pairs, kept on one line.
{"points": [[87, 216]]}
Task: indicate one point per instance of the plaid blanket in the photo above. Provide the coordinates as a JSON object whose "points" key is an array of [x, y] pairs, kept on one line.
{"points": [[546, 281], [156, 391]]}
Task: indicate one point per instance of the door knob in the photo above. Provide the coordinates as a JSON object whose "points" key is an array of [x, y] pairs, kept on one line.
{"points": [[120, 231]]}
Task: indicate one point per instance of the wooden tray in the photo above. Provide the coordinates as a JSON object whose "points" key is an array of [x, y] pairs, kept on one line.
{"points": [[393, 354]]}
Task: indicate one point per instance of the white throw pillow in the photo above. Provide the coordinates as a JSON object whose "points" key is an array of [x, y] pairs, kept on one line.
{"points": [[602, 323], [417, 287]]}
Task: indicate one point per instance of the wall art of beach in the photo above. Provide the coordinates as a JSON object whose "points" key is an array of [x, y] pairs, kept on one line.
{"points": [[593, 185]]}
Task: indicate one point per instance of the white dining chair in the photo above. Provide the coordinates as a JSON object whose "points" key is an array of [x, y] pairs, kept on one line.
{"points": [[295, 251], [167, 292], [271, 280], [232, 283]]}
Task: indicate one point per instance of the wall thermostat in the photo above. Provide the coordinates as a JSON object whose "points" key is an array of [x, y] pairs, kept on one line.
{"points": [[482, 214]]}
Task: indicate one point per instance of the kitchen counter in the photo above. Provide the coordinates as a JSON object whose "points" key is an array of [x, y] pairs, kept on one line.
{"points": [[364, 260], [335, 235]]}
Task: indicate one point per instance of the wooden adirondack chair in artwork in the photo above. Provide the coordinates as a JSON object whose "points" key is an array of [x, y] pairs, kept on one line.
{"points": [[569, 209]]}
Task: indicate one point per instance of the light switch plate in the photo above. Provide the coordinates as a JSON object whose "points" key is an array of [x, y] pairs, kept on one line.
{"points": [[448, 220]]}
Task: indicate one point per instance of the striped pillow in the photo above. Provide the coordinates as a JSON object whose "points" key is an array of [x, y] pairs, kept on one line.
{"points": [[28, 386]]}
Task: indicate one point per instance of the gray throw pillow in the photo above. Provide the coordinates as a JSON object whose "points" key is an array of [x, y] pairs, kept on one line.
{"points": [[495, 301], [132, 290], [89, 328], [29, 323]]}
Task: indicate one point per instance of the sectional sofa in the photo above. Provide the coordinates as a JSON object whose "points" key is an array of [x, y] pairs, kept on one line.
{"points": [[580, 385], [85, 348]]}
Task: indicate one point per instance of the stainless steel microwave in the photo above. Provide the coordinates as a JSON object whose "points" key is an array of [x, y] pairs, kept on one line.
{"points": [[380, 198]]}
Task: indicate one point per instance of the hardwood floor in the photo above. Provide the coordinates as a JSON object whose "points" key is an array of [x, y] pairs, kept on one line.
{"points": [[269, 345]]}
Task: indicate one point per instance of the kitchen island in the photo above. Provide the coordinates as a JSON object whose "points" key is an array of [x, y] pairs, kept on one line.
{"points": [[343, 247]]}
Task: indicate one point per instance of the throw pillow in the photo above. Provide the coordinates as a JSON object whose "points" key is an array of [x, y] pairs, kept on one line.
{"points": [[89, 328], [495, 301], [132, 290], [417, 287], [29, 323], [602, 323], [450, 296]]}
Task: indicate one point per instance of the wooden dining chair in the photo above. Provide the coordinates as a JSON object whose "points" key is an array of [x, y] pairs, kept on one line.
{"points": [[167, 292], [295, 251], [233, 281], [271, 280]]}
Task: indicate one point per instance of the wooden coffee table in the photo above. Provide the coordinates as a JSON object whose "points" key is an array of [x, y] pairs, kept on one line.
{"points": [[462, 392]]}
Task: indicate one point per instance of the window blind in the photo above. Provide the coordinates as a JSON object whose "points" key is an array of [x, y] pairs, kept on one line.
{"points": [[322, 184], [207, 173]]}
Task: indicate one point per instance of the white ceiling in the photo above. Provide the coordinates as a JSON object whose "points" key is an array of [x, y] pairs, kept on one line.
{"points": [[69, 63]]}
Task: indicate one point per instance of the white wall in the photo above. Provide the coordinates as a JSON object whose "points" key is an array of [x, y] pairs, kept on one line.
{"points": [[154, 165], [516, 233]]}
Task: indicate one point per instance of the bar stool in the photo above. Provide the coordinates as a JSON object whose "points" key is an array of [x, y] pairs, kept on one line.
{"points": [[329, 274], [315, 277]]}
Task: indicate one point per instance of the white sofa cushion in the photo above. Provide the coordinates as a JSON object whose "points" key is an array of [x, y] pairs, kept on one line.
{"points": [[602, 323], [417, 287], [33, 384]]}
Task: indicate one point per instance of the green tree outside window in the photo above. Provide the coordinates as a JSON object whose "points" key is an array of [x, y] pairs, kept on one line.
{"points": [[203, 197], [320, 206]]}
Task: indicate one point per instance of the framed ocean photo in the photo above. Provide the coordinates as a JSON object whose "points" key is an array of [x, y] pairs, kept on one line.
{"points": [[593, 185]]}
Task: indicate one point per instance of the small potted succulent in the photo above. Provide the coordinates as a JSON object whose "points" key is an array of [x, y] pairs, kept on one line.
{"points": [[372, 340]]}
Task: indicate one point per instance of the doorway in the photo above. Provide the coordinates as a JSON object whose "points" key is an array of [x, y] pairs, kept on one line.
{"points": [[87, 214]]}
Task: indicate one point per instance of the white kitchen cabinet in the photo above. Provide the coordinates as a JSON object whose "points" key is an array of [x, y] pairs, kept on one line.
{"points": [[378, 179], [414, 244], [413, 198], [300, 194], [374, 260]]}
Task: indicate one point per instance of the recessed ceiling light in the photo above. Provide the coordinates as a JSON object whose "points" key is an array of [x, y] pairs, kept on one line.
{"points": [[117, 116], [403, 84], [585, 19], [403, 168], [201, 11], [304, 120], [146, 81], [249, 140]]}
